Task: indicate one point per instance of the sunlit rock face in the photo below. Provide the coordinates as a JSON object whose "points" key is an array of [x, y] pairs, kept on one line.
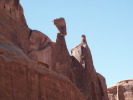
{"points": [[14, 9], [61, 25], [122, 90], [25, 79], [33, 67]]}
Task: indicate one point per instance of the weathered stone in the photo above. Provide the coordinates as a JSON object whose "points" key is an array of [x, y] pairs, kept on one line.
{"points": [[122, 90], [14, 31], [39, 47], [103, 87], [14, 9], [61, 25], [42, 49], [87, 80], [83, 38], [47, 70], [21, 78]]}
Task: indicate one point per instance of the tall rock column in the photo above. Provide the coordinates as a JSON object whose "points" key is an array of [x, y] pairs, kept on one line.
{"points": [[87, 79], [61, 60], [55, 54]]}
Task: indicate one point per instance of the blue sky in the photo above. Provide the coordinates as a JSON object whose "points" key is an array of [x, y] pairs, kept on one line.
{"points": [[107, 24]]}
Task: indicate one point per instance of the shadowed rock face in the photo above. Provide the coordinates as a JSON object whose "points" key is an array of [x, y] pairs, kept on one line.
{"points": [[33, 67], [91, 84], [122, 90]]}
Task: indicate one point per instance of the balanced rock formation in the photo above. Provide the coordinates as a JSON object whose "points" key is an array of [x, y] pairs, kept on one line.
{"points": [[122, 90], [61, 25], [33, 67]]}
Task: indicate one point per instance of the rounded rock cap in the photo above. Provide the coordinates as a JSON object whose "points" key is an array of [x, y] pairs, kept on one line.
{"points": [[83, 37]]}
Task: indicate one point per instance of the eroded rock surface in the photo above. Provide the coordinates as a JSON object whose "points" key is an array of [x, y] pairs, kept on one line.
{"points": [[122, 90], [24, 79], [91, 84], [14, 9], [61, 25], [33, 67]]}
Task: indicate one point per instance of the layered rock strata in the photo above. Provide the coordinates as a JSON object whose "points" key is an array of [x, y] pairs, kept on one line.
{"points": [[122, 90], [33, 67], [14, 9], [25, 79]]}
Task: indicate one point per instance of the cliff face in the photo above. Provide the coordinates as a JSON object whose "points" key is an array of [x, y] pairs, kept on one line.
{"points": [[33, 67], [87, 79], [14, 9], [122, 90], [24, 79]]}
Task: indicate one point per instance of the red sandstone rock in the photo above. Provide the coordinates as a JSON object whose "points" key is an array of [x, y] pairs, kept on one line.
{"points": [[103, 87], [61, 25], [93, 86], [61, 60], [22, 78], [47, 70], [14, 31], [39, 47], [14, 9], [42, 49], [122, 90]]}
